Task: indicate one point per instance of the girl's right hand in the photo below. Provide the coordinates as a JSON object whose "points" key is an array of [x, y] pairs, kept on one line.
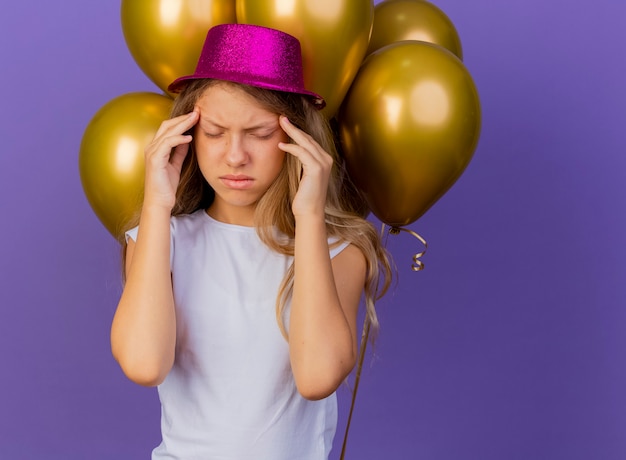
{"points": [[164, 159]]}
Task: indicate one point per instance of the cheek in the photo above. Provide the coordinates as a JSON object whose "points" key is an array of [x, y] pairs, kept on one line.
{"points": [[208, 148], [275, 162], [206, 159]]}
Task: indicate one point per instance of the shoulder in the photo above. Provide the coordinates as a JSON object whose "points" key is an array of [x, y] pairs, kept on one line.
{"points": [[349, 258], [349, 272], [336, 246], [194, 218], [188, 223], [178, 224], [347, 251]]}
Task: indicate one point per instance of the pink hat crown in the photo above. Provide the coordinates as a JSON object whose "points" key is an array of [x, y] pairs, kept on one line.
{"points": [[252, 55]]}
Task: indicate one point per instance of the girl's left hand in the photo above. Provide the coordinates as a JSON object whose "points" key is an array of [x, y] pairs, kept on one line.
{"points": [[316, 166]]}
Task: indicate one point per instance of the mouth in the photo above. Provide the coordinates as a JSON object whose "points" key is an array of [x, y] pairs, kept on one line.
{"points": [[237, 182]]}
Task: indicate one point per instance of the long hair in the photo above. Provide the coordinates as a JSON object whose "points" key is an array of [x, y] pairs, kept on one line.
{"points": [[345, 208]]}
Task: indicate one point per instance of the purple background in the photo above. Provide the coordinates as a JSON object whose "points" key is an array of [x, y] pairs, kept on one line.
{"points": [[510, 345]]}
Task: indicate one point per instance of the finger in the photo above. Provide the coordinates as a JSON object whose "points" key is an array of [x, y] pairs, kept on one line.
{"points": [[178, 156], [311, 162], [302, 140], [166, 143], [161, 149], [308, 156], [297, 151], [298, 136], [178, 124]]}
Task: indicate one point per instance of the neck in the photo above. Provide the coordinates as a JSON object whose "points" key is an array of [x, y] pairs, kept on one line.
{"points": [[239, 215]]}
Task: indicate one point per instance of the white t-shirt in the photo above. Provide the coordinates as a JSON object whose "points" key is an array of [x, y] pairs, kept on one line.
{"points": [[231, 393]]}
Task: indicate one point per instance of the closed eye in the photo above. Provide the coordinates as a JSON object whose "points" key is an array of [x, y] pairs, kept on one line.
{"points": [[263, 135], [212, 135]]}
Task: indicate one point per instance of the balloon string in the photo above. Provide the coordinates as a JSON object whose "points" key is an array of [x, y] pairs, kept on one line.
{"points": [[417, 263], [416, 266], [357, 379]]}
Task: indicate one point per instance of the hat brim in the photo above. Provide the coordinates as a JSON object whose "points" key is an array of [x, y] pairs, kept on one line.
{"points": [[179, 84]]}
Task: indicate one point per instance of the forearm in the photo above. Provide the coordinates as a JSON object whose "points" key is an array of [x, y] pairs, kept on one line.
{"points": [[143, 333], [321, 342]]}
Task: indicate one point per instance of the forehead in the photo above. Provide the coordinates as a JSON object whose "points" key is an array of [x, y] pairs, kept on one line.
{"points": [[224, 101]]}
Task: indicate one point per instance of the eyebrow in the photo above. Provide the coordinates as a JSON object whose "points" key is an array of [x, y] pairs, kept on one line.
{"points": [[263, 125]]}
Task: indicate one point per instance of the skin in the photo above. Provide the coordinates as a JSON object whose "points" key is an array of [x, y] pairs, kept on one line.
{"points": [[237, 150], [240, 148]]}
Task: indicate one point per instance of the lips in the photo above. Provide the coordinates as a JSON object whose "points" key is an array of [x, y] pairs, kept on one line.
{"points": [[237, 181]]}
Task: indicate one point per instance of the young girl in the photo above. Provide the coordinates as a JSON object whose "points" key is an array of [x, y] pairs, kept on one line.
{"points": [[244, 276]]}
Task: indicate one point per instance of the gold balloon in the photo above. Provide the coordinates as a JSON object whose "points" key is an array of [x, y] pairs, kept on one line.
{"points": [[396, 20], [409, 126], [111, 159], [165, 37], [334, 35]]}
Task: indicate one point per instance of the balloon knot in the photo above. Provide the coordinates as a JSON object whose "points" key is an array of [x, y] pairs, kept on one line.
{"points": [[417, 264]]}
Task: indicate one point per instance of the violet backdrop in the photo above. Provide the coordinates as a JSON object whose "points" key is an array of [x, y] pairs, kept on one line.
{"points": [[510, 345]]}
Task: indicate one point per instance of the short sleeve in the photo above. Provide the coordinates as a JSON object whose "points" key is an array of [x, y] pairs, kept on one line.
{"points": [[338, 248], [132, 234]]}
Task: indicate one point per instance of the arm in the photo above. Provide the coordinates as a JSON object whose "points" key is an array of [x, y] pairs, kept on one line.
{"points": [[326, 294], [323, 321], [143, 333]]}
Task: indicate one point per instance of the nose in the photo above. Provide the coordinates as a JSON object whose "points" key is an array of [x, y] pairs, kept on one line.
{"points": [[236, 153]]}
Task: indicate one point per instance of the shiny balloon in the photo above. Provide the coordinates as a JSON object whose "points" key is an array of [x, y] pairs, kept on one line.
{"points": [[409, 126], [165, 37], [111, 159], [396, 20], [334, 35]]}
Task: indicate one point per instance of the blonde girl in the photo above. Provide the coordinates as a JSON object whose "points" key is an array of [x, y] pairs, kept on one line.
{"points": [[251, 254]]}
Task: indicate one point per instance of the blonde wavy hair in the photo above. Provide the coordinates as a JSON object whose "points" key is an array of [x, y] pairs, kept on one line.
{"points": [[345, 208]]}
